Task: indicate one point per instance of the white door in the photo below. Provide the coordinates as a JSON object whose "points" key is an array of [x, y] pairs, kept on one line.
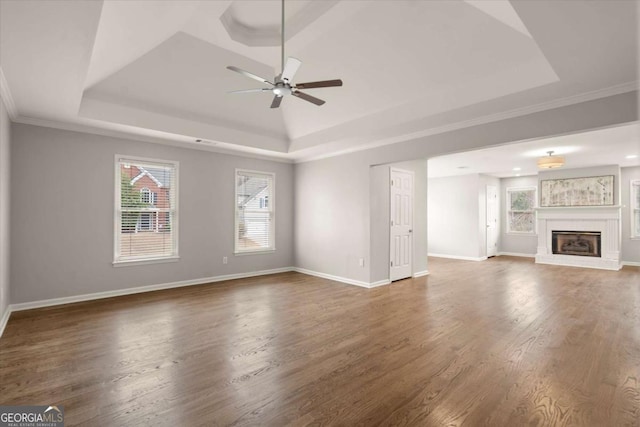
{"points": [[493, 229], [401, 249]]}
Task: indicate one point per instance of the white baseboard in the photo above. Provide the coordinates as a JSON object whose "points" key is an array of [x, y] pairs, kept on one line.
{"points": [[421, 273], [201, 281], [379, 283], [517, 254], [631, 263], [5, 319], [140, 289], [336, 278], [464, 258]]}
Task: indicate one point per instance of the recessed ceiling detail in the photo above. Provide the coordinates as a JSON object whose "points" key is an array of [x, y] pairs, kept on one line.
{"points": [[257, 23], [410, 68]]}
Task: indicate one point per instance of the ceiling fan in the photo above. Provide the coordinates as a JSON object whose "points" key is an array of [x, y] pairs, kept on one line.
{"points": [[283, 83]]}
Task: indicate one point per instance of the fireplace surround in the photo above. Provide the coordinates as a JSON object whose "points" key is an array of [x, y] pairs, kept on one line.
{"points": [[588, 251]]}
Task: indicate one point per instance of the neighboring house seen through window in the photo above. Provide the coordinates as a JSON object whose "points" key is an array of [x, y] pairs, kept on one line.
{"points": [[635, 209], [254, 228], [146, 210], [521, 215]]}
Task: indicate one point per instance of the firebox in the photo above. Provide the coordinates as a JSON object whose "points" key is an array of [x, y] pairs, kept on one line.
{"points": [[580, 243]]}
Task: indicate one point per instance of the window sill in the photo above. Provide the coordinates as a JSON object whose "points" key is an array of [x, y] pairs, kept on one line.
{"points": [[256, 252], [146, 261]]}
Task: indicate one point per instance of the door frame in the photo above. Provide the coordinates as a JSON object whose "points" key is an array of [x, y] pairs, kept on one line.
{"points": [[413, 197], [486, 222]]}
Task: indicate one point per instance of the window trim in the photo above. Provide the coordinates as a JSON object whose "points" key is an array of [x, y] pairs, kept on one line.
{"points": [[632, 207], [533, 210], [117, 262], [272, 206]]}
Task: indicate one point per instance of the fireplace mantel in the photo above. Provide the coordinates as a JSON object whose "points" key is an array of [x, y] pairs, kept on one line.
{"points": [[604, 219]]}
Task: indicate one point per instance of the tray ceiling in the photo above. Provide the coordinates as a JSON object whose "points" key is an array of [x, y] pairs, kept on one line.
{"points": [[158, 67]]}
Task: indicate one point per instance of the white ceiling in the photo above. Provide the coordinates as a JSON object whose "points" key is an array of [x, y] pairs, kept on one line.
{"points": [[612, 146], [157, 68]]}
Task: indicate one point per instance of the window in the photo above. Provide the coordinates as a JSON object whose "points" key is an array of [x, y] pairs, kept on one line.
{"points": [[254, 230], [635, 209], [145, 210], [521, 216], [145, 196]]}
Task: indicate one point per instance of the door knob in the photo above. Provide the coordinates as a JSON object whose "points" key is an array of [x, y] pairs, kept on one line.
{"points": [[410, 231]]}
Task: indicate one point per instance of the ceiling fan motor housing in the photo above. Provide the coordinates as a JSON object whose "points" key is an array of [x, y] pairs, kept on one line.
{"points": [[282, 89]]}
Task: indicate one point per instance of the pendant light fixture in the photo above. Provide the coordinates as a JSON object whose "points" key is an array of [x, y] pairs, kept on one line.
{"points": [[550, 161]]}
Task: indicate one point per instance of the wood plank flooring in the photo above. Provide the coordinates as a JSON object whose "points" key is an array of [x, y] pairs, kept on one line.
{"points": [[503, 342]]}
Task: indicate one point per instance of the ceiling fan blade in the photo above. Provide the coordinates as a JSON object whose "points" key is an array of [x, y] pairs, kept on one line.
{"points": [[311, 99], [263, 89], [290, 68], [276, 101], [248, 74], [324, 83]]}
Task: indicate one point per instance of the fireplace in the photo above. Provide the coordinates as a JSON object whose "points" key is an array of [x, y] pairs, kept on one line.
{"points": [[580, 243], [599, 243]]}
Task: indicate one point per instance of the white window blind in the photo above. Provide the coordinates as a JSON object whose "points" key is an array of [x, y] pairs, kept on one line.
{"points": [[521, 216], [254, 201], [146, 226], [635, 208]]}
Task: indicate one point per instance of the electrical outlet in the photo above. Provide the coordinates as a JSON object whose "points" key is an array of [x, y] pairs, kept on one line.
{"points": [[224, 260], [361, 262]]}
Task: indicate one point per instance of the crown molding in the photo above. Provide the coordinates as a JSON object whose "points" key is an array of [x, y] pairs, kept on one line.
{"points": [[120, 134], [5, 93], [298, 157], [509, 114]]}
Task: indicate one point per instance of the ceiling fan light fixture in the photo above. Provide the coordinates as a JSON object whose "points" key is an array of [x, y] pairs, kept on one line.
{"points": [[282, 84], [550, 161], [281, 91]]}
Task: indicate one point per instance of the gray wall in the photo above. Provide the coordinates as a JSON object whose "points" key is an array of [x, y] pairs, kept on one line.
{"points": [[5, 136], [332, 195], [525, 244], [585, 172], [453, 216], [380, 217], [62, 202], [630, 247]]}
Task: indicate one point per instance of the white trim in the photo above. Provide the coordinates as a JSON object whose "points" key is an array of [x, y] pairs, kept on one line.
{"points": [[379, 283], [5, 319], [272, 213], [632, 207], [491, 118], [5, 93], [142, 289], [254, 252], [420, 273], [335, 278], [171, 139], [174, 186], [464, 258], [631, 263], [519, 254], [145, 261], [552, 209], [185, 141], [507, 205]]}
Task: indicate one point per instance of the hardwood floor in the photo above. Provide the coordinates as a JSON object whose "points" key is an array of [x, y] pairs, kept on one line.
{"points": [[503, 342]]}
